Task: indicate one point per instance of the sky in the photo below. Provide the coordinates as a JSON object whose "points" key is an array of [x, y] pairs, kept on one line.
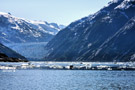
{"points": [[58, 11]]}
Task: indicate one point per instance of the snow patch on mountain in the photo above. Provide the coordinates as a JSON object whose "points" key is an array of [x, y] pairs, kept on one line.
{"points": [[114, 1], [126, 4], [133, 57]]}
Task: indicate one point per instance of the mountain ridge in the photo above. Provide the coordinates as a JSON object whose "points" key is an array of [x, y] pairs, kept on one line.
{"points": [[82, 39], [19, 30]]}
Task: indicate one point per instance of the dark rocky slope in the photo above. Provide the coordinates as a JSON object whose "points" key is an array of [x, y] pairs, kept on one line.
{"points": [[5, 58], [94, 38], [8, 55], [121, 46]]}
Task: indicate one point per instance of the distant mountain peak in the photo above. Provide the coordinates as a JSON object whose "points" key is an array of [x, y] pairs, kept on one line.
{"points": [[15, 29]]}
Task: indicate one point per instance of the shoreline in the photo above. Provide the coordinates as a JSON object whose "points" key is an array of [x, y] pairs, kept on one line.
{"points": [[70, 65]]}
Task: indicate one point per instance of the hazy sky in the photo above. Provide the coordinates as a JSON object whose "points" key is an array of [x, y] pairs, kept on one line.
{"points": [[59, 11]]}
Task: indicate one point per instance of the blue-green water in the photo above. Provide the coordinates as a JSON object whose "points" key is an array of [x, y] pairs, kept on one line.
{"points": [[67, 80]]}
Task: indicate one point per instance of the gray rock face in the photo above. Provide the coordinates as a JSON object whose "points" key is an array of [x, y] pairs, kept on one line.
{"points": [[121, 46], [104, 36]]}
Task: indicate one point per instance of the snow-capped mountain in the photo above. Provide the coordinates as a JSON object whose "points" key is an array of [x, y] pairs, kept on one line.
{"points": [[18, 30], [107, 35], [26, 36]]}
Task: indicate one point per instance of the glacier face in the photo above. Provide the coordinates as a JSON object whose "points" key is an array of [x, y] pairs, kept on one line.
{"points": [[34, 51]]}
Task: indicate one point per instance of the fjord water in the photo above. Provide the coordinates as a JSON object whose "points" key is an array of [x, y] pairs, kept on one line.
{"points": [[67, 80]]}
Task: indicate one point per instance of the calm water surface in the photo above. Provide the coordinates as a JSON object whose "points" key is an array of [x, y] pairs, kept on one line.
{"points": [[67, 80]]}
